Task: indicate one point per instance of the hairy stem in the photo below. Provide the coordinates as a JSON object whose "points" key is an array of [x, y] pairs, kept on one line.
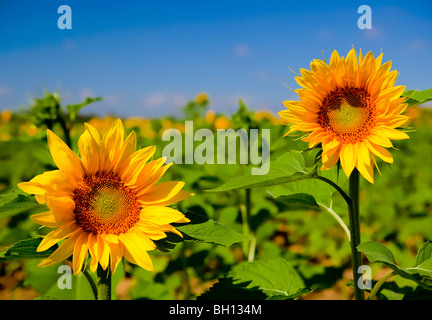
{"points": [[104, 283], [354, 218]]}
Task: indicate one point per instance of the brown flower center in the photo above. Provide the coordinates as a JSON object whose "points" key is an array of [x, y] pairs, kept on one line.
{"points": [[348, 113], [103, 204]]}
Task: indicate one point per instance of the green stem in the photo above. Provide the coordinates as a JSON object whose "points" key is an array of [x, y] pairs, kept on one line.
{"points": [[338, 189], [185, 274], [337, 218], [245, 212], [354, 218], [91, 282], [104, 283], [379, 284]]}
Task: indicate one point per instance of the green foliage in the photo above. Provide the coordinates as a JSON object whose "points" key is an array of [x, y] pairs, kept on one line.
{"points": [[74, 109], [270, 279], [15, 202], [206, 230], [298, 201], [26, 249], [297, 251], [289, 167], [417, 98], [243, 118], [420, 272]]}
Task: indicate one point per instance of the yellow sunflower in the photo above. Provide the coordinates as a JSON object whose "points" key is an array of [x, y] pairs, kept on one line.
{"points": [[106, 203], [352, 108]]}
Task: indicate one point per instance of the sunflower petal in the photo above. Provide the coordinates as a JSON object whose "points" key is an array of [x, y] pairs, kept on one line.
{"points": [[65, 159], [80, 252], [134, 251], [165, 193], [366, 170], [57, 235], [112, 144], [90, 153], [62, 252], [160, 215], [46, 219], [348, 158], [380, 152]]}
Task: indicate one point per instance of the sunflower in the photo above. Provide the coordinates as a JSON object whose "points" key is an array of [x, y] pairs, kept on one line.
{"points": [[352, 108], [106, 203]]}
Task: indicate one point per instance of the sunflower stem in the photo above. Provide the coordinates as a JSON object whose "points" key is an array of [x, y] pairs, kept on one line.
{"points": [[91, 282], [104, 283], [354, 218], [379, 284], [245, 212]]}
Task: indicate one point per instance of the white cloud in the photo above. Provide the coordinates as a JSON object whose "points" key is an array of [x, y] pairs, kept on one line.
{"points": [[4, 90], [416, 45], [111, 99], [155, 100], [260, 74], [68, 44], [165, 99], [241, 50], [326, 34], [179, 99], [86, 92], [372, 34]]}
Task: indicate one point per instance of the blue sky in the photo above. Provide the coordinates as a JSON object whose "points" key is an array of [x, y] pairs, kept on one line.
{"points": [[147, 58]]}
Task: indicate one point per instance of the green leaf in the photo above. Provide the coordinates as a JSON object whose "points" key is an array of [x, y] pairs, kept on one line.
{"points": [[203, 229], [293, 296], [226, 289], [377, 252], [321, 191], [26, 249], [74, 109], [287, 168], [415, 97], [275, 278], [298, 201], [421, 273], [424, 253], [14, 203], [200, 229]]}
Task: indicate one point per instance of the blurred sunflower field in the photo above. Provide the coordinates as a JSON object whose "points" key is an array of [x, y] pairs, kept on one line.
{"points": [[241, 242]]}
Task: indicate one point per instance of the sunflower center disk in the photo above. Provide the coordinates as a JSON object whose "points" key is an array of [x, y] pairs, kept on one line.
{"points": [[104, 205], [348, 113]]}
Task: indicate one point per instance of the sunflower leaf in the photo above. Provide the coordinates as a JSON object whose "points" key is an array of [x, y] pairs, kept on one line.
{"points": [[298, 201], [74, 109], [322, 192], [26, 249], [421, 272], [424, 253], [289, 167], [15, 202], [260, 279], [203, 229], [377, 252], [415, 97]]}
